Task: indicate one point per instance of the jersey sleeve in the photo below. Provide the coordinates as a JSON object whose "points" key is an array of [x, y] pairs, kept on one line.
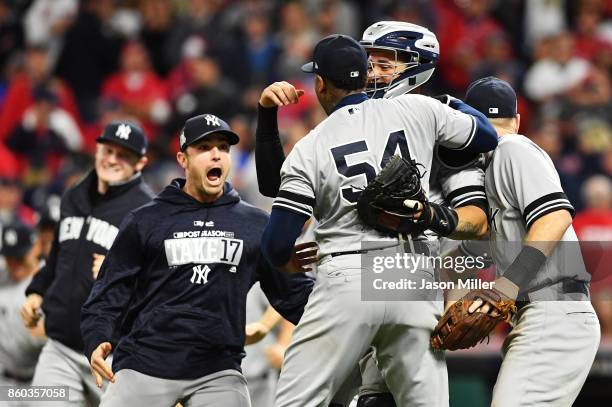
{"points": [[463, 187], [296, 192], [454, 129], [529, 181], [113, 288]]}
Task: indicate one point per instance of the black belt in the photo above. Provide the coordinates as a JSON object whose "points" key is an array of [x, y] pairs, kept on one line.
{"points": [[420, 247], [567, 287], [16, 377]]}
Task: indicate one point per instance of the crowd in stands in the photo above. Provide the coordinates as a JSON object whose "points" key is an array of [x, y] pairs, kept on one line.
{"points": [[69, 67]]}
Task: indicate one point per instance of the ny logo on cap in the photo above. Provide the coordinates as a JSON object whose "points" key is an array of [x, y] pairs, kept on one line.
{"points": [[123, 131], [182, 138], [212, 120], [10, 237]]}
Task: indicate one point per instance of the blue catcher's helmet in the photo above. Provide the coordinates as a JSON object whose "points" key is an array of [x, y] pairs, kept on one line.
{"points": [[416, 51]]}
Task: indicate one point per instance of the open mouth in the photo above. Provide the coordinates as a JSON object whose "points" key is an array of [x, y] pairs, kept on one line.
{"points": [[213, 174]]}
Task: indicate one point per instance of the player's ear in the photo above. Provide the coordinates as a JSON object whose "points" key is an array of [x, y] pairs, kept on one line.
{"points": [[518, 123], [319, 84], [181, 158], [140, 164]]}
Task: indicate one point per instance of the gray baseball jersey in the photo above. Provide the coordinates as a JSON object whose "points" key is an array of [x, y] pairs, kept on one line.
{"points": [[18, 350], [522, 185], [343, 153]]}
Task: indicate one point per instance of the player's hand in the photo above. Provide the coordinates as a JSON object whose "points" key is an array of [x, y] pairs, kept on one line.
{"points": [[99, 368], [30, 310], [97, 263], [454, 295], [276, 355], [255, 332], [416, 207], [303, 255], [280, 94], [447, 100], [506, 287]]}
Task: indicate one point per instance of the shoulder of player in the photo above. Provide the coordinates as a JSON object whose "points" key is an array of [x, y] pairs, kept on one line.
{"points": [[253, 213], [406, 98], [515, 144]]}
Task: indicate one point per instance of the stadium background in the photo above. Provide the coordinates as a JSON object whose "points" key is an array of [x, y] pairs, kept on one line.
{"points": [[68, 67]]}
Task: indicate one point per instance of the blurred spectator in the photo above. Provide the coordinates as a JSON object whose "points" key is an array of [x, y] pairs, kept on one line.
{"points": [[138, 89], [198, 85], [49, 216], [158, 20], [205, 18], [11, 33], [590, 44], [336, 17], [19, 347], [543, 18], [46, 22], [569, 165], [463, 31], [297, 37], [12, 208], [46, 133], [261, 49], [593, 227], [85, 65], [594, 223], [20, 95], [558, 71]]}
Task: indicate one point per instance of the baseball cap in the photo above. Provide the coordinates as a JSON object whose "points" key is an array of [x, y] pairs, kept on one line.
{"points": [[201, 126], [17, 239], [340, 59], [126, 134], [493, 97]]}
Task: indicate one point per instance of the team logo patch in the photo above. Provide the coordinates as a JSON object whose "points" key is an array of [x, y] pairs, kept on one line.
{"points": [[182, 139], [212, 120], [354, 74], [200, 274], [123, 131], [493, 110]]}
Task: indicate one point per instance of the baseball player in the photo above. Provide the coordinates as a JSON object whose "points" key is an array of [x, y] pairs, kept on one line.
{"points": [[90, 214], [19, 347], [176, 280], [402, 57], [323, 175], [549, 352]]}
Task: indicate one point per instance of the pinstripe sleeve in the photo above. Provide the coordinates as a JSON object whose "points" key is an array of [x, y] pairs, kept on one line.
{"points": [[296, 192], [530, 181], [463, 187]]}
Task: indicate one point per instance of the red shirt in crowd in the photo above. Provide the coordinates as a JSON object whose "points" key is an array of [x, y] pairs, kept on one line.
{"points": [[19, 98]]}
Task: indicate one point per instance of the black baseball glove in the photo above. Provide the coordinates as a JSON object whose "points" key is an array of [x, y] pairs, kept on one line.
{"points": [[394, 202]]}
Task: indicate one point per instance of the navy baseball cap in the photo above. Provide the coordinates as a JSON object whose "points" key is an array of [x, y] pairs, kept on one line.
{"points": [[126, 134], [492, 97], [340, 59], [17, 240], [199, 127]]}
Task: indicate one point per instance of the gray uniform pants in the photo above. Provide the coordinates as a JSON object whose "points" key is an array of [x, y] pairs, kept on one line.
{"points": [[59, 365], [338, 328], [226, 388], [548, 355]]}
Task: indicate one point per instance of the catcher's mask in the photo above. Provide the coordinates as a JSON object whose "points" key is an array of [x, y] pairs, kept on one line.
{"points": [[415, 52]]}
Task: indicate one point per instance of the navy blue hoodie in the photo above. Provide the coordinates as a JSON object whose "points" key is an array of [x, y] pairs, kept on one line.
{"points": [[88, 224], [175, 283]]}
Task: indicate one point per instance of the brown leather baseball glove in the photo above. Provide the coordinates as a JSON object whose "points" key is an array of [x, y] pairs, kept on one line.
{"points": [[461, 329]]}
